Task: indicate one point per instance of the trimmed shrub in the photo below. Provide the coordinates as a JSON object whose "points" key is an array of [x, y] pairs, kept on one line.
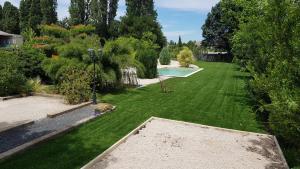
{"points": [[148, 57], [185, 57], [165, 57], [82, 29], [12, 79], [76, 85], [54, 31]]}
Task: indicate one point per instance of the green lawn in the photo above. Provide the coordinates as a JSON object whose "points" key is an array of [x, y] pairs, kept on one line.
{"points": [[215, 96]]}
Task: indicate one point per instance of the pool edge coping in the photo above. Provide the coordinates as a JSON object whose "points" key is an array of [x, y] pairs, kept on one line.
{"points": [[198, 70]]}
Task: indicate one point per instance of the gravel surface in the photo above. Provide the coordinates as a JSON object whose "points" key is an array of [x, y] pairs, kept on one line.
{"points": [[13, 138], [19, 110], [171, 145]]}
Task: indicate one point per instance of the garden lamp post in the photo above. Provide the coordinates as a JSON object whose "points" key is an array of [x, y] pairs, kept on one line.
{"points": [[93, 57]]}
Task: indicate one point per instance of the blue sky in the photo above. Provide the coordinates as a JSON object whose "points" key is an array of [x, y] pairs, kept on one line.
{"points": [[177, 17]]}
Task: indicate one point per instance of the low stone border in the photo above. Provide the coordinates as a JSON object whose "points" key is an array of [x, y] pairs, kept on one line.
{"points": [[47, 137], [30, 94], [11, 97], [135, 131], [25, 123], [55, 114]]}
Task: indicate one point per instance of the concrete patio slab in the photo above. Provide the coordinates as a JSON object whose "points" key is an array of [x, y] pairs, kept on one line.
{"points": [[161, 143]]}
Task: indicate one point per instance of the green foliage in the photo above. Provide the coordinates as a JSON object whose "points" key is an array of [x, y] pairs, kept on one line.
{"points": [[267, 45], [77, 12], [165, 56], [148, 57], [137, 27], [180, 42], [24, 14], [35, 15], [82, 29], [48, 9], [12, 79], [35, 85], [221, 23], [31, 60], [185, 57], [10, 18], [54, 31], [1, 17], [28, 35], [75, 85]]}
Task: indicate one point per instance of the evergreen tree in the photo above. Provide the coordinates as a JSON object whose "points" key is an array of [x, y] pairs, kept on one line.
{"points": [[35, 15], [141, 18], [103, 13], [77, 12], [10, 18], [0, 17], [24, 14], [179, 42], [48, 8], [140, 8]]}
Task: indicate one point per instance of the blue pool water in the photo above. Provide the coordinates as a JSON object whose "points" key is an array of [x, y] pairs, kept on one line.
{"points": [[177, 72]]}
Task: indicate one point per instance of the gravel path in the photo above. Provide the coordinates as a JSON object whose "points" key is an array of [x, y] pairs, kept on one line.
{"points": [[173, 145], [16, 137]]}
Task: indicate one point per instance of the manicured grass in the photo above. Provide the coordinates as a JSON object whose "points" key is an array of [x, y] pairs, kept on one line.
{"points": [[215, 96]]}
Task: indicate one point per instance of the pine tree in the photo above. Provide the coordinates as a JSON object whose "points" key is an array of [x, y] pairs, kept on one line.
{"points": [[48, 9], [179, 42], [10, 18], [24, 13], [35, 15], [77, 12]]}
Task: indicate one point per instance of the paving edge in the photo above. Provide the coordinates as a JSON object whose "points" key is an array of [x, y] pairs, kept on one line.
{"points": [[47, 137], [122, 140], [52, 115], [26, 123]]}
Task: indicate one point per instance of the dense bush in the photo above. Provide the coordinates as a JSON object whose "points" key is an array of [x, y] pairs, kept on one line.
{"points": [[12, 79], [82, 29], [165, 57], [31, 61], [54, 30], [148, 57], [267, 45], [75, 85], [185, 57]]}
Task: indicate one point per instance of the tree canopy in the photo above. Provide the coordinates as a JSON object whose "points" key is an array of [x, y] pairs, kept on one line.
{"points": [[10, 18]]}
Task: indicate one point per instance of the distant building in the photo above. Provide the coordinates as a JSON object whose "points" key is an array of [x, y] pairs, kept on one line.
{"points": [[7, 40]]}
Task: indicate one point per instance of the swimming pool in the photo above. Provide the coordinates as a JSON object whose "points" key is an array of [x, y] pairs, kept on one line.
{"points": [[177, 72]]}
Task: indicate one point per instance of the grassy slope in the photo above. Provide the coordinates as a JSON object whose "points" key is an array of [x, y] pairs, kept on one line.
{"points": [[215, 96]]}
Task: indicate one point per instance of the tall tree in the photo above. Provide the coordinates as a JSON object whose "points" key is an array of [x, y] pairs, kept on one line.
{"points": [[35, 15], [24, 13], [48, 9], [141, 18], [10, 18], [221, 23], [0, 17], [141, 8], [77, 12], [179, 42], [103, 13]]}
